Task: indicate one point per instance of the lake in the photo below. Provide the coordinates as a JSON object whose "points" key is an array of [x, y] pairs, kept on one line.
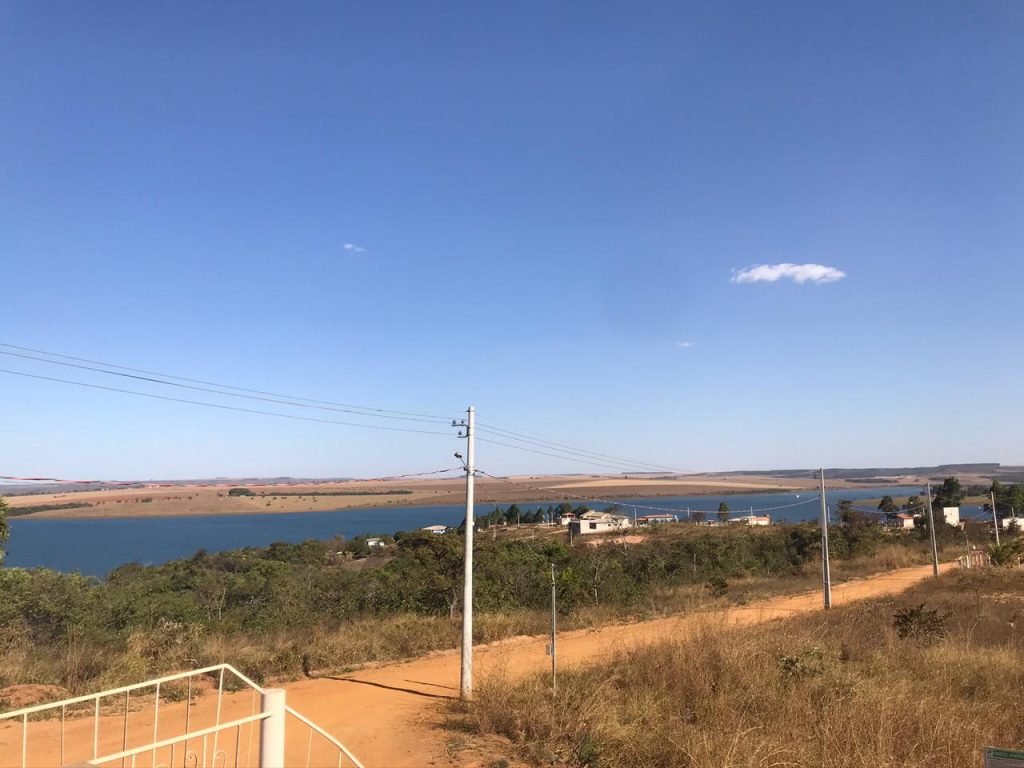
{"points": [[95, 546]]}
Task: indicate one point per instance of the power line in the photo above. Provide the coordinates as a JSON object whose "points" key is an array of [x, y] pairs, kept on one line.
{"points": [[65, 481], [197, 388], [219, 405], [554, 449], [509, 435], [562, 455], [638, 506], [286, 399]]}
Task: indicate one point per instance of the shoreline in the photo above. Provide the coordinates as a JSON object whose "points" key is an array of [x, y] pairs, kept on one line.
{"points": [[88, 513], [269, 504]]}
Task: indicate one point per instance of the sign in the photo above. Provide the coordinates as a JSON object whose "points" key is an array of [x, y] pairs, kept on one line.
{"points": [[1003, 758]]}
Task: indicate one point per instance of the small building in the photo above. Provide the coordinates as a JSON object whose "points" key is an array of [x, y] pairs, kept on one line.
{"points": [[436, 529], [593, 521], [751, 520], [655, 519], [899, 521], [952, 516], [1007, 522], [375, 543]]}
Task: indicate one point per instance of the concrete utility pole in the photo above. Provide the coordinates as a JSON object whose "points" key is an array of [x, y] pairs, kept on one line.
{"points": [[931, 529], [826, 574], [554, 634], [995, 517], [466, 681]]}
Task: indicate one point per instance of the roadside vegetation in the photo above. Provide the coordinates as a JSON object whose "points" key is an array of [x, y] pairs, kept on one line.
{"points": [[323, 606], [925, 679]]}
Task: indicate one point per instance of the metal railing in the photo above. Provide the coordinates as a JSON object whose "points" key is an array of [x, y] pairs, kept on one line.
{"points": [[70, 730]]}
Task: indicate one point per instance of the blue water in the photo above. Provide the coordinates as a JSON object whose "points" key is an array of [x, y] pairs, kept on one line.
{"points": [[95, 546]]}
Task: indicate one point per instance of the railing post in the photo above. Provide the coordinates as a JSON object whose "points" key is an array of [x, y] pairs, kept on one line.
{"points": [[272, 728]]}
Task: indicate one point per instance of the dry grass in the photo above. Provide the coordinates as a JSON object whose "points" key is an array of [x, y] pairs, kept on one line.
{"points": [[80, 664], [837, 689]]}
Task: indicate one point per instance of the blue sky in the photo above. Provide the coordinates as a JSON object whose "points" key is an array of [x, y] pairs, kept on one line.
{"points": [[549, 206]]}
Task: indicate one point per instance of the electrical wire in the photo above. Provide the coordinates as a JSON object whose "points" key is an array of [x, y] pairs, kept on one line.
{"points": [[555, 449], [566, 456], [565, 447], [65, 481], [219, 405], [620, 502], [294, 402], [369, 410]]}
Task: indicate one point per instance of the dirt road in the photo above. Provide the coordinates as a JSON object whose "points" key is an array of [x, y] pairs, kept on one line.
{"points": [[392, 715]]}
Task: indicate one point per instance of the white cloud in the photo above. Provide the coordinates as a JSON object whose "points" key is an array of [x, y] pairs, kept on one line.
{"points": [[353, 248], [798, 273], [684, 344]]}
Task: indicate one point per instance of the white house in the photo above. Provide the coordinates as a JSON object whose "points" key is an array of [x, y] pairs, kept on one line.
{"points": [[436, 529], [1006, 522], [901, 521], [655, 519], [375, 543], [593, 521], [952, 515], [752, 520]]}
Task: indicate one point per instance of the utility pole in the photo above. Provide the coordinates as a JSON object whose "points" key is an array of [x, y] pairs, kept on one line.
{"points": [[466, 681], [554, 633], [995, 517], [826, 575], [931, 529]]}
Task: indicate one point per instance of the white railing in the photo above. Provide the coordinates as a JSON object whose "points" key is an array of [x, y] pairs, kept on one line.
{"points": [[69, 731], [975, 560]]}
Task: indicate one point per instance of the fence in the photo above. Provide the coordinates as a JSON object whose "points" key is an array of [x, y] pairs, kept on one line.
{"points": [[975, 560], [208, 731]]}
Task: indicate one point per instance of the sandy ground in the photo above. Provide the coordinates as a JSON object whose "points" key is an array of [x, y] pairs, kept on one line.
{"points": [[394, 715], [185, 500]]}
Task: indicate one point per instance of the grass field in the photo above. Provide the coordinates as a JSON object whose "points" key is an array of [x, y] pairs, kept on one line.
{"points": [[882, 683]]}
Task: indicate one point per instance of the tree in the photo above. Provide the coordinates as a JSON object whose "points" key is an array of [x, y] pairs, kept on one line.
{"points": [[699, 515], [949, 494], [5, 532], [723, 512], [1009, 499], [512, 514], [887, 505], [1004, 554]]}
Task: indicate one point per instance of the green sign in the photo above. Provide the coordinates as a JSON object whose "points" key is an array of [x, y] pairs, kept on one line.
{"points": [[1003, 758]]}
